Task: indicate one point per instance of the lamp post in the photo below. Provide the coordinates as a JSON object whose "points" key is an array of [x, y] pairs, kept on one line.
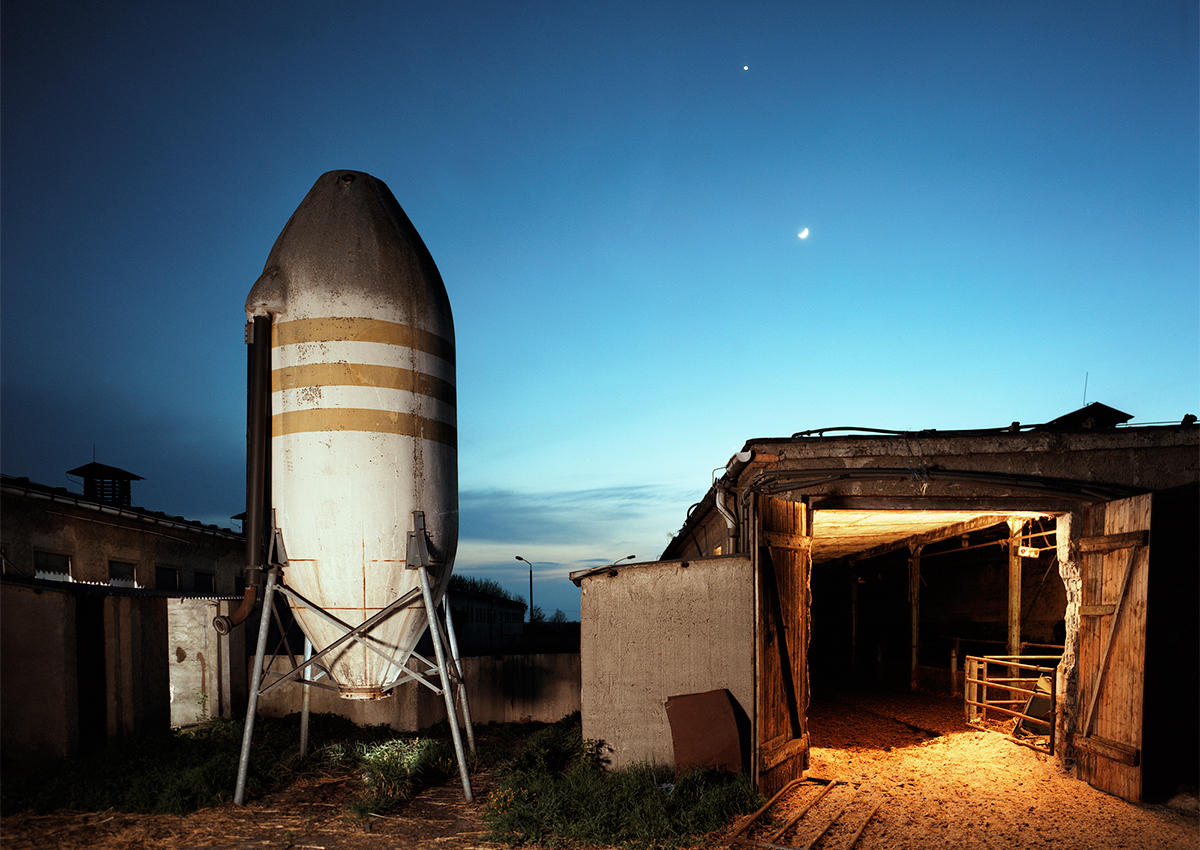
{"points": [[519, 558], [619, 560]]}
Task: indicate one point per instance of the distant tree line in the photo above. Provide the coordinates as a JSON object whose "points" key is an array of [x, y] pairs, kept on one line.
{"points": [[491, 587], [484, 587]]}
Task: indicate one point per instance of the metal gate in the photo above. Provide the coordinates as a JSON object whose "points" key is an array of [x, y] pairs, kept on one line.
{"points": [[1016, 686]]}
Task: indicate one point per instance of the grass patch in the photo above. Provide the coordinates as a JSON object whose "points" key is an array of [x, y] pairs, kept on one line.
{"points": [[557, 791], [183, 771], [395, 771]]}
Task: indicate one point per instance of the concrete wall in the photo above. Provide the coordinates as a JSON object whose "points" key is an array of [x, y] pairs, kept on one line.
{"points": [[77, 667], [500, 689], [39, 697], [137, 681], [653, 631], [207, 671]]}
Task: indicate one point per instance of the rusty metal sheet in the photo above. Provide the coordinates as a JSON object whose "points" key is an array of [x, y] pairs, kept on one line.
{"points": [[704, 731]]}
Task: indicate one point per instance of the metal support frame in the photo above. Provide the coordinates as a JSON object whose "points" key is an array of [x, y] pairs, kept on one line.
{"points": [[445, 647]]}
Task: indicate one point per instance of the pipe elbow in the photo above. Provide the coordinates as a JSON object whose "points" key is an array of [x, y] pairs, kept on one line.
{"points": [[224, 625]]}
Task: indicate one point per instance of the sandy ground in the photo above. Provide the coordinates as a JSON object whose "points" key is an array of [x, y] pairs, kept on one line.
{"points": [[958, 788], [962, 787]]}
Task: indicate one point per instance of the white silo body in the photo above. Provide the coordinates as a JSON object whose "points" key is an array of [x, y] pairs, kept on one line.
{"points": [[363, 418]]}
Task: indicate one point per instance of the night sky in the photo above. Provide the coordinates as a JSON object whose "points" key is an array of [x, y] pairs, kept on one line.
{"points": [[1001, 202]]}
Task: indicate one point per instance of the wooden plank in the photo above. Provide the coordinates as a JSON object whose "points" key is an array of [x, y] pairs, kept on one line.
{"points": [[1108, 642], [783, 752], [791, 542], [1096, 610], [1113, 542], [1112, 648], [782, 573], [1113, 750]]}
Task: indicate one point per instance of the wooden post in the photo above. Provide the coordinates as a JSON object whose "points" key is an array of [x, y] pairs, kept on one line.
{"points": [[1014, 585], [971, 690], [854, 625], [954, 669], [914, 599]]}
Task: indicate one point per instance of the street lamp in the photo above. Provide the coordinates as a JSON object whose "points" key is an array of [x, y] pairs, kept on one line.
{"points": [[619, 560], [519, 558]]}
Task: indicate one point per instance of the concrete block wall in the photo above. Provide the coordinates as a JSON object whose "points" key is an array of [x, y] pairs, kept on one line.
{"points": [[500, 689], [137, 680]]}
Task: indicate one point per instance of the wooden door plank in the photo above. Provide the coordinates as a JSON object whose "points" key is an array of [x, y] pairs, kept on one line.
{"points": [[1112, 645], [1113, 542], [1108, 641]]}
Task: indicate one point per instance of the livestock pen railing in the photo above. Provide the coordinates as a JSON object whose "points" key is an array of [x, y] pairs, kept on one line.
{"points": [[993, 680]]}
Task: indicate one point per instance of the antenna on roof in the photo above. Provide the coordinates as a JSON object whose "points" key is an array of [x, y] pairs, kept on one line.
{"points": [[1085, 377]]}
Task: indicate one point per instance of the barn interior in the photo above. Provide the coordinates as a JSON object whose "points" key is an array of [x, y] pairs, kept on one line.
{"points": [[972, 598]]}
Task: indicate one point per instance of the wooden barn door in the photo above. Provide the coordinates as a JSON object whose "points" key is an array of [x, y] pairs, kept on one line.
{"points": [[782, 573], [1114, 550]]}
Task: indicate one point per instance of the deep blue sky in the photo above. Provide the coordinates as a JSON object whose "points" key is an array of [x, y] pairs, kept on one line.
{"points": [[1002, 201]]}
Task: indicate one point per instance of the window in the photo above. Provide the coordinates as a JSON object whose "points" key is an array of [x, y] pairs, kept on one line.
{"points": [[205, 582], [121, 574], [166, 578], [53, 566]]}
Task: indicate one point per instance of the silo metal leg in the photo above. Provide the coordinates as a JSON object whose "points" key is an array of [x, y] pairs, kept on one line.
{"points": [[304, 677], [458, 671], [447, 691], [239, 795]]}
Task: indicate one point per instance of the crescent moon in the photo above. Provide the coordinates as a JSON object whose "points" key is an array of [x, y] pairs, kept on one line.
{"points": [[804, 233]]}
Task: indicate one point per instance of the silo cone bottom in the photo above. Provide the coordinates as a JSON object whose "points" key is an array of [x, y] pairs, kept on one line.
{"points": [[363, 693]]}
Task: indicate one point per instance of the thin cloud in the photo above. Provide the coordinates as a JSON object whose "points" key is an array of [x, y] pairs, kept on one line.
{"points": [[564, 516]]}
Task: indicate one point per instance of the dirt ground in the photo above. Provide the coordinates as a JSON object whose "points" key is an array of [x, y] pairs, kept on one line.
{"points": [[958, 788]]}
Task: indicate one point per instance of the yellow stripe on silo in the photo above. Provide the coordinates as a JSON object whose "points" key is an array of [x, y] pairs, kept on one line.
{"points": [[361, 375], [361, 419], [361, 330]]}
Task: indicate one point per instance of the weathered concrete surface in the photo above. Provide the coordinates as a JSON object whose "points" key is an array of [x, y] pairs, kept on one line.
{"points": [[77, 666], [206, 669], [39, 695], [136, 675], [658, 630], [500, 689]]}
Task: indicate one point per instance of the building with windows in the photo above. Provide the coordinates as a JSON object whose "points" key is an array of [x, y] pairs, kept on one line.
{"points": [[106, 617], [100, 538]]}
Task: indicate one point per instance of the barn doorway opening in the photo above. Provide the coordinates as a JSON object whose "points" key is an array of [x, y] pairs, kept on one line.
{"points": [[900, 598]]}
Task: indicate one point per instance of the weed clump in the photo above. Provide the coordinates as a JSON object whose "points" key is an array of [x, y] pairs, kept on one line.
{"points": [[556, 790]]}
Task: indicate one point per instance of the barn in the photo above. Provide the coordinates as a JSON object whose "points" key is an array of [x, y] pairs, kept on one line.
{"points": [[866, 559]]}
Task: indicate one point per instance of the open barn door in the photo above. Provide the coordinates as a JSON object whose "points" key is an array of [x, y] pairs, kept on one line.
{"points": [[783, 545], [1114, 553]]}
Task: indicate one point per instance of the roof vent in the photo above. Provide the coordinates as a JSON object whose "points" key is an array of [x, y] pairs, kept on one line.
{"points": [[105, 484], [1094, 417]]}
